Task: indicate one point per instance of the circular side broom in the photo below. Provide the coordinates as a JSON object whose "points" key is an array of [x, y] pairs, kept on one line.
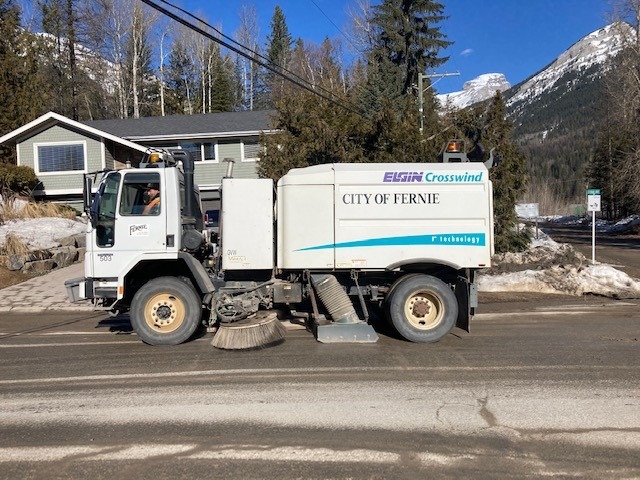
{"points": [[256, 332]]}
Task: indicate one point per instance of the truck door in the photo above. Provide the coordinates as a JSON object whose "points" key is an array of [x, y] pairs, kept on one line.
{"points": [[131, 221]]}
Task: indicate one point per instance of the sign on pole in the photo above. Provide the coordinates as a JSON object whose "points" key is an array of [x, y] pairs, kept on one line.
{"points": [[593, 200], [593, 206], [527, 210]]}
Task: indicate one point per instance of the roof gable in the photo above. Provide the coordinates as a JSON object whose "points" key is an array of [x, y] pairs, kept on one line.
{"points": [[51, 118]]}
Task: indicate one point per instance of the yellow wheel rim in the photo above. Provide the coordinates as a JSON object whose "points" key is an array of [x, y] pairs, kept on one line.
{"points": [[424, 310], [164, 313]]}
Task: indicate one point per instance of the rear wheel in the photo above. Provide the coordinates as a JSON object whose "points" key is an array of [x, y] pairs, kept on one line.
{"points": [[422, 308], [165, 311]]}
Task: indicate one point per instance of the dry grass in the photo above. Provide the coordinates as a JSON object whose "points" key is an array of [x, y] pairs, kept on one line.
{"points": [[550, 201], [12, 210], [14, 245]]}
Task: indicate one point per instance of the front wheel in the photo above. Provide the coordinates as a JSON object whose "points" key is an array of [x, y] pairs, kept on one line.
{"points": [[422, 308], [165, 311]]}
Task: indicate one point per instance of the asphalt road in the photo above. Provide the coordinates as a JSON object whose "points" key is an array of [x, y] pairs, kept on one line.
{"points": [[537, 389]]}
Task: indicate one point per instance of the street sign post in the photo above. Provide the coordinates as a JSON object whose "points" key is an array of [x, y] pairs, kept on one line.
{"points": [[593, 206]]}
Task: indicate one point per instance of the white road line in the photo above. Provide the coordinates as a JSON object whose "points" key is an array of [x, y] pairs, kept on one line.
{"points": [[299, 454], [66, 344], [607, 305], [263, 373], [489, 316], [194, 452], [47, 334]]}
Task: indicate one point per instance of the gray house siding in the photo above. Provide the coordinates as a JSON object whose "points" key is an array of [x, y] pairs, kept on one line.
{"points": [[209, 173], [52, 182]]}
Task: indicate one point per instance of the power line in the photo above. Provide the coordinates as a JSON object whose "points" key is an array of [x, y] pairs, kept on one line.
{"points": [[336, 27], [304, 84]]}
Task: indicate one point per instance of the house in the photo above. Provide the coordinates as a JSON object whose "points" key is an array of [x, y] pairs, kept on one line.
{"points": [[61, 150]]}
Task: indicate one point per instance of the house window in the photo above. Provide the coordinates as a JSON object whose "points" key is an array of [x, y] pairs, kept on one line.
{"points": [[199, 151], [56, 158], [251, 150], [209, 152], [194, 149]]}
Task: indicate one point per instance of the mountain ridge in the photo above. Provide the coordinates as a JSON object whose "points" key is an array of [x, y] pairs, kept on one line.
{"points": [[556, 112]]}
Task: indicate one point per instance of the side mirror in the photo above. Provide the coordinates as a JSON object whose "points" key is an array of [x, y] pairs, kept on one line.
{"points": [[491, 162], [86, 196]]}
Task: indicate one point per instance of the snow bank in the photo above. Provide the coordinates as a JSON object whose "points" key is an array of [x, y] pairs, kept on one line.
{"points": [[594, 279], [41, 233], [551, 267]]}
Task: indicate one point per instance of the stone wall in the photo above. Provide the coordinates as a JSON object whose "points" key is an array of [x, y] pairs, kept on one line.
{"points": [[70, 251]]}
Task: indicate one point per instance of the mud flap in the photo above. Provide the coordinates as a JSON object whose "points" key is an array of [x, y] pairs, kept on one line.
{"points": [[467, 296]]}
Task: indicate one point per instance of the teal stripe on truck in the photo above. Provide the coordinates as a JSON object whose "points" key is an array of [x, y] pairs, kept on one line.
{"points": [[439, 239]]}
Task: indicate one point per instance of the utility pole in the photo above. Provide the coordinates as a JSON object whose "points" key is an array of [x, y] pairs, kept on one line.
{"points": [[421, 91]]}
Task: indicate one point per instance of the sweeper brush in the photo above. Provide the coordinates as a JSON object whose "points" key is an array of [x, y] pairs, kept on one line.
{"points": [[256, 332]]}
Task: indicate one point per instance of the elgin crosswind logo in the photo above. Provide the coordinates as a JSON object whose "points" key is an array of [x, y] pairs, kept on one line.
{"points": [[432, 177]]}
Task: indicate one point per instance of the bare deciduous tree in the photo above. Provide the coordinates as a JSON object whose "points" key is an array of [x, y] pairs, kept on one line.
{"points": [[248, 34]]}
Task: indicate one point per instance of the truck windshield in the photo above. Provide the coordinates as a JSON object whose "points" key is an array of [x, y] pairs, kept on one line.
{"points": [[103, 210]]}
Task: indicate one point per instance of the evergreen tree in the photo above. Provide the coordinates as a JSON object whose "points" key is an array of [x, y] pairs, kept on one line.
{"points": [[278, 52], [509, 177], [615, 165], [222, 93], [181, 80], [609, 168], [484, 127], [59, 21], [407, 41], [19, 77]]}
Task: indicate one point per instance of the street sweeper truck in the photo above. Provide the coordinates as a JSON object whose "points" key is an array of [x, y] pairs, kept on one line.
{"points": [[329, 246]]}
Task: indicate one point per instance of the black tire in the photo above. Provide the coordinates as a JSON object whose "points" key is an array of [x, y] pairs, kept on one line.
{"points": [[422, 308], [165, 311]]}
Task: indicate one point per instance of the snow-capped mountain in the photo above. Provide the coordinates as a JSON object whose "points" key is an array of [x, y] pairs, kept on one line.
{"points": [[557, 112], [594, 49], [476, 90]]}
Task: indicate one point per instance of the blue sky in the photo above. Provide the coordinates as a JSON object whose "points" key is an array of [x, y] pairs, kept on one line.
{"points": [[514, 37]]}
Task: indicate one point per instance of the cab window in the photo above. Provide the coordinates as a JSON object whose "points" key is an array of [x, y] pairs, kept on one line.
{"points": [[140, 194]]}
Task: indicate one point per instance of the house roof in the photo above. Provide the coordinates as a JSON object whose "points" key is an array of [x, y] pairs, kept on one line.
{"points": [[130, 130], [51, 118], [206, 125]]}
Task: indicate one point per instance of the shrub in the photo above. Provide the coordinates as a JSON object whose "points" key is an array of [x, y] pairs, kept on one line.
{"points": [[17, 179]]}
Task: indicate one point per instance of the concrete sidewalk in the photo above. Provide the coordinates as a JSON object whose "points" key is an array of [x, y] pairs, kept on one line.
{"points": [[44, 293]]}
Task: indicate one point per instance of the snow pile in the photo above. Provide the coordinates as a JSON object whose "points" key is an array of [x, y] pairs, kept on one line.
{"points": [[623, 225], [41, 233], [568, 280], [551, 267]]}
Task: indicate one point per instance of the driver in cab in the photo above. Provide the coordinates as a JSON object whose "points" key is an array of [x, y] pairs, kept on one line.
{"points": [[152, 199]]}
